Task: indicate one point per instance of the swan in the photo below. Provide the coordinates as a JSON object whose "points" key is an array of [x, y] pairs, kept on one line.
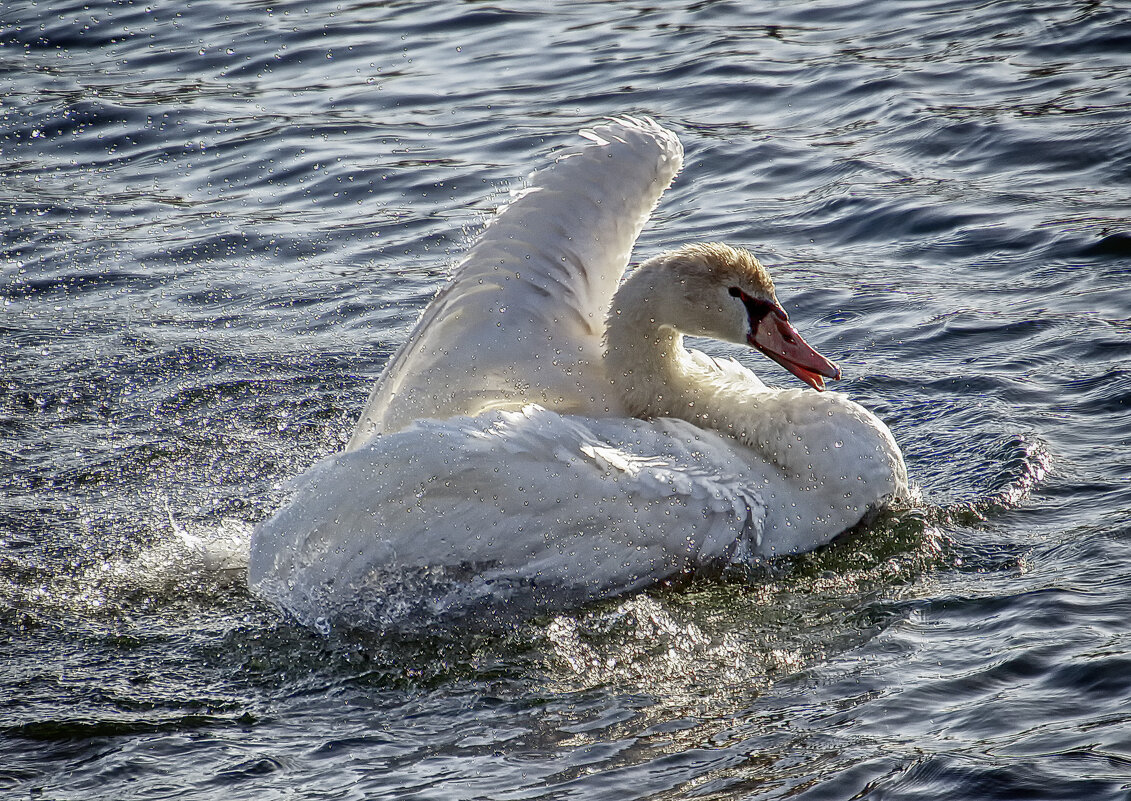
{"points": [[545, 436]]}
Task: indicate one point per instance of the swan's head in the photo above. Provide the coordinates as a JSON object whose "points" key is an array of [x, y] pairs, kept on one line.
{"points": [[727, 294]]}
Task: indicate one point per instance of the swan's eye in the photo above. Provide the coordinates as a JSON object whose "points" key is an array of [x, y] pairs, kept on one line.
{"points": [[756, 308], [735, 292]]}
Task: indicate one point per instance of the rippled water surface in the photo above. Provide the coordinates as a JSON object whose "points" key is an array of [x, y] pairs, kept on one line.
{"points": [[219, 220]]}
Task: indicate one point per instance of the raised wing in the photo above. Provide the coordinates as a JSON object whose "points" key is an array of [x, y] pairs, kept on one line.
{"points": [[523, 317]]}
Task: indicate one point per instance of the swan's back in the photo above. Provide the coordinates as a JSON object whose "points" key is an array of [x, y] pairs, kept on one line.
{"points": [[522, 510], [522, 319]]}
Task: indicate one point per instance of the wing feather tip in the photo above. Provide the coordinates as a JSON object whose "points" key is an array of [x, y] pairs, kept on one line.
{"points": [[624, 127]]}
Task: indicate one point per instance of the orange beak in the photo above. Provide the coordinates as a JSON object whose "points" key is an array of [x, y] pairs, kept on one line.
{"points": [[779, 340]]}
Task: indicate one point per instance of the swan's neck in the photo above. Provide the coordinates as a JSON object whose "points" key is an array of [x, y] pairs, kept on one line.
{"points": [[652, 371]]}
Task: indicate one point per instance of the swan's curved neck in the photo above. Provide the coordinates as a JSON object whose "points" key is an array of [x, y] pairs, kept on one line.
{"points": [[644, 353]]}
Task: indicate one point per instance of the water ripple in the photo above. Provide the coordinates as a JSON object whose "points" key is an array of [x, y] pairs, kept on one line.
{"points": [[221, 220]]}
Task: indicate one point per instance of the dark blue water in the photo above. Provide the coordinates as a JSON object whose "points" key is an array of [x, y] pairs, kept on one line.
{"points": [[220, 219]]}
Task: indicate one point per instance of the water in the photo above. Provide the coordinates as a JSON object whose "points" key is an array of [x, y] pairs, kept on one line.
{"points": [[220, 219]]}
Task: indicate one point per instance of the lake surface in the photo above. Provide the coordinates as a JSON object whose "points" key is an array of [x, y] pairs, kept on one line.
{"points": [[220, 220]]}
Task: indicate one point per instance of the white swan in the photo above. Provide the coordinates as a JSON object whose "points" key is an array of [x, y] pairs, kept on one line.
{"points": [[538, 437]]}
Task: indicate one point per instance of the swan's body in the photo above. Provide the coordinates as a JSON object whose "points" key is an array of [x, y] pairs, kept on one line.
{"points": [[537, 436]]}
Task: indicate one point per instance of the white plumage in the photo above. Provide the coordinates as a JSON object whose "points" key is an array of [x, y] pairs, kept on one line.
{"points": [[537, 440]]}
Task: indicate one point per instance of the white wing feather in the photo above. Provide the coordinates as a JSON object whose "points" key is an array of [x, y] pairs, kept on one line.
{"points": [[523, 317], [526, 506]]}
